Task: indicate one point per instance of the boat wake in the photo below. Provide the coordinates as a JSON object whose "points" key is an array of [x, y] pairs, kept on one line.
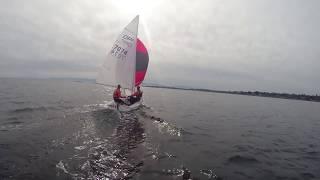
{"points": [[127, 150], [114, 157]]}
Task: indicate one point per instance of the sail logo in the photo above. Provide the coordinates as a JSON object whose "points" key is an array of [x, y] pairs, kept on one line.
{"points": [[127, 40], [126, 37]]}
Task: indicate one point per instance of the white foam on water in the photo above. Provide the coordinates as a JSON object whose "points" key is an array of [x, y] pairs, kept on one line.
{"points": [[80, 148]]}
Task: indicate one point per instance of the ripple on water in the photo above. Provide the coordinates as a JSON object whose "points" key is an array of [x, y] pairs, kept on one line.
{"points": [[243, 148], [11, 126], [17, 102], [241, 159], [34, 109], [4, 146], [307, 175], [27, 109], [12, 119]]}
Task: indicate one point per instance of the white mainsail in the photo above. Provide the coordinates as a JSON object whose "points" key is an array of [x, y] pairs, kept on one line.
{"points": [[120, 65]]}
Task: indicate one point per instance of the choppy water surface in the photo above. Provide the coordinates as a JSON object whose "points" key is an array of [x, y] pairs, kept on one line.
{"points": [[60, 129]]}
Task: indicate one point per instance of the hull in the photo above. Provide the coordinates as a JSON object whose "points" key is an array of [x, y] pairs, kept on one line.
{"points": [[124, 108]]}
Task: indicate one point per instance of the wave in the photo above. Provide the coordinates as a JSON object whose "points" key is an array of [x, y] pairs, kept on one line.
{"points": [[308, 175], [28, 109], [4, 146], [18, 102], [8, 127], [40, 108], [13, 122], [242, 159]]}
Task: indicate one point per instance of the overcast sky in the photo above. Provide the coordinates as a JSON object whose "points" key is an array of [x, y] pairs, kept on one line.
{"points": [[266, 45]]}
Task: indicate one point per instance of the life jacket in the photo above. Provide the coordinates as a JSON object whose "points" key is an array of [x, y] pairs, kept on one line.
{"points": [[117, 94]]}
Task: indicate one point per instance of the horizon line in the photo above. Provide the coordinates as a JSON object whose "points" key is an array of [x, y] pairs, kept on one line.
{"points": [[154, 84]]}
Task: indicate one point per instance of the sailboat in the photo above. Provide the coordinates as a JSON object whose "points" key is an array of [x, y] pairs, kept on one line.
{"points": [[126, 63]]}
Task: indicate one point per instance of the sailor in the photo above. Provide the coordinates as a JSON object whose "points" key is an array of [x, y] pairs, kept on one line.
{"points": [[136, 96], [117, 96]]}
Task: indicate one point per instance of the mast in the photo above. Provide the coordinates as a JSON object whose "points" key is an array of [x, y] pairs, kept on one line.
{"points": [[135, 57]]}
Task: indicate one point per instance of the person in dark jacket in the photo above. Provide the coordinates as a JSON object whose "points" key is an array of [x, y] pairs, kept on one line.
{"points": [[136, 96]]}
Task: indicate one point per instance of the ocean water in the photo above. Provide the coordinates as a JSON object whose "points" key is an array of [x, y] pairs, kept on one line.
{"points": [[61, 129]]}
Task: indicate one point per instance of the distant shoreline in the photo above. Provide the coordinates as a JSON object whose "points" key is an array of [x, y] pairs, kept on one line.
{"points": [[302, 97]]}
